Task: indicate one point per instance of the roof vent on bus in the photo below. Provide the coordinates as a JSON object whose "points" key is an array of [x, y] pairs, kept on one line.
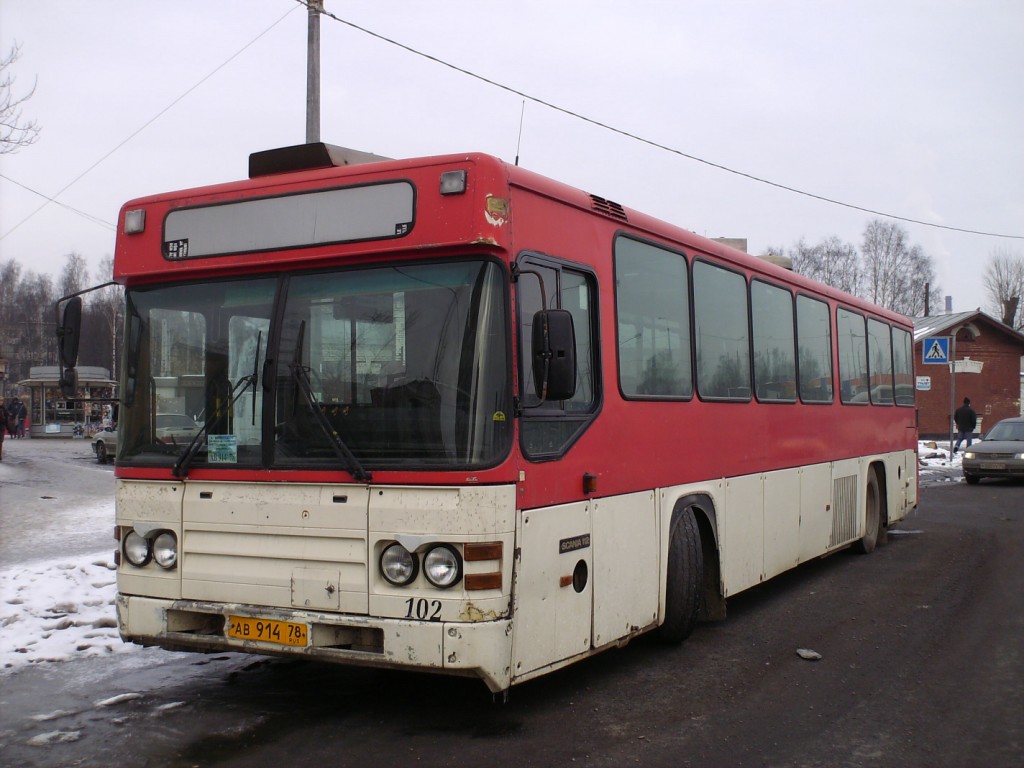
{"points": [[306, 157], [608, 208]]}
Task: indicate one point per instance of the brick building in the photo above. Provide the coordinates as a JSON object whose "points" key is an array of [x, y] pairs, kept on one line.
{"points": [[988, 370]]}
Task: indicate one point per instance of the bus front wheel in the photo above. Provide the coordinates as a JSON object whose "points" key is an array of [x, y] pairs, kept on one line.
{"points": [[874, 527], [684, 577]]}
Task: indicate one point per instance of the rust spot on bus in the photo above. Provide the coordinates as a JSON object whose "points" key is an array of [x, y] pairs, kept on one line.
{"points": [[471, 613]]}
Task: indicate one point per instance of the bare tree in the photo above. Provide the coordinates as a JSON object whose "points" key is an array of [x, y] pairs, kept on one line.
{"points": [[75, 275], [895, 273], [1004, 286], [915, 275], [10, 275], [15, 131], [109, 304], [831, 261], [28, 321]]}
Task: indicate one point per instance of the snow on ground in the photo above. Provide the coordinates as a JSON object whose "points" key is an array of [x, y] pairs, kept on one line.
{"points": [[58, 610], [934, 464], [64, 608]]}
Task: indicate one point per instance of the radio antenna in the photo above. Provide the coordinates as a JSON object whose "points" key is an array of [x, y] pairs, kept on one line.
{"points": [[519, 141]]}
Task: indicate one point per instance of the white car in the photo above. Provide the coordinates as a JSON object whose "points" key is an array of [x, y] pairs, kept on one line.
{"points": [[175, 428], [104, 445]]}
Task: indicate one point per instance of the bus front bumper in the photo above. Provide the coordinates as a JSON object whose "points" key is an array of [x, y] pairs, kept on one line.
{"points": [[475, 649]]}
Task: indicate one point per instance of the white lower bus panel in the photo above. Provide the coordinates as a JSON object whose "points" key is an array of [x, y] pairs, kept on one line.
{"points": [[477, 650], [576, 578]]}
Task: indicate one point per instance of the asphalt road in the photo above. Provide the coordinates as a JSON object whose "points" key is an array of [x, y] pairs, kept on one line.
{"points": [[44, 485], [922, 665]]}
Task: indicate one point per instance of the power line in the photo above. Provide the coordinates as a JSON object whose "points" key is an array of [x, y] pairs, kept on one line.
{"points": [[83, 214], [651, 142], [145, 125]]}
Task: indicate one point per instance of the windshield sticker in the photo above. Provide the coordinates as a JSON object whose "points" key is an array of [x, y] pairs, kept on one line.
{"points": [[222, 449]]}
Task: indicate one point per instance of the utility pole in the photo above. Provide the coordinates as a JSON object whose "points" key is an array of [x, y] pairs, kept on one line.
{"points": [[953, 429], [313, 72]]}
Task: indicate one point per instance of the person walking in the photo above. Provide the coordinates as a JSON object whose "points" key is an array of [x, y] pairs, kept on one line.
{"points": [[3, 427], [17, 414], [966, 420]]}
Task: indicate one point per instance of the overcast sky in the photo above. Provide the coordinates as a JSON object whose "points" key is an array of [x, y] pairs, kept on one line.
{"points": [[909, 108]]}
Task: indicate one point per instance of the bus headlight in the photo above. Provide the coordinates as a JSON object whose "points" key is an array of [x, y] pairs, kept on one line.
{"points": [[136, 549], [442, 566], [165, 550], [398, 565]]}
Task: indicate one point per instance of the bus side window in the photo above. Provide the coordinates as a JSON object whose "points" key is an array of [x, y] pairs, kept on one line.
{"points": [[549, 427], [814, 345], [774, 363], [653, 321], [722, 330], [880, 362], [903, 365], [853, 357]]}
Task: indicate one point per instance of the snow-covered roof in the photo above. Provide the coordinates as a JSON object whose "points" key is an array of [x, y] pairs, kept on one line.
{"points": [[937, 325], [933, 325]]}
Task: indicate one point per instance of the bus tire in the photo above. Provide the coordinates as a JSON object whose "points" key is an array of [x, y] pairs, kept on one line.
{"points": [[873, 523], [684, 577]]}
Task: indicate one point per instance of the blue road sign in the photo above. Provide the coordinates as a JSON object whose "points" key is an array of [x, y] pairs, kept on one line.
{"points": [[935, 350]]}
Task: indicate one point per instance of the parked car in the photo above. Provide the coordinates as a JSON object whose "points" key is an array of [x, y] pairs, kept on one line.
{"points": [[104, 445], [1000, 453], [175, 428]]}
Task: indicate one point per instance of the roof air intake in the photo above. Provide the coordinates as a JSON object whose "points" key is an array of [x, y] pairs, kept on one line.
{"points": [[608, 208]]}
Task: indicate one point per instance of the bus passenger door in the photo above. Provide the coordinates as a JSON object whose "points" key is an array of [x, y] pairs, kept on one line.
{"points": [[553, 586]]}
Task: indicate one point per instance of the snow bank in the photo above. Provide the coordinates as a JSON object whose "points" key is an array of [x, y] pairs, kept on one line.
{"points": [[57, 611], [935, 465]]}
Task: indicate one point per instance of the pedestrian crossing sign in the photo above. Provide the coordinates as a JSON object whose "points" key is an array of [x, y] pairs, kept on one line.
{"points": [[936, 350]]}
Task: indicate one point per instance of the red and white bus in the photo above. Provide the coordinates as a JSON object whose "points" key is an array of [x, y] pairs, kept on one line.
{"points": [[453, 416]]}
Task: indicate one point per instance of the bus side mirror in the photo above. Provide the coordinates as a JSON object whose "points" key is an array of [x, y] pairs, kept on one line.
{"points": [[554, 354], [69, 332]]}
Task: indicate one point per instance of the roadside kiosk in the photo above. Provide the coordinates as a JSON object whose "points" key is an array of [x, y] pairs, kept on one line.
{"points": [[51, 414]]}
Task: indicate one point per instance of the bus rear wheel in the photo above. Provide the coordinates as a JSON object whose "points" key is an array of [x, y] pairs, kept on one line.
{"points": [[684, 577], [874, 526]]}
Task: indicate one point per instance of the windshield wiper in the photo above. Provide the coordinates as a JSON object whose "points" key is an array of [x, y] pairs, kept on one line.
{"points": [[300, 375], [182, 464]]}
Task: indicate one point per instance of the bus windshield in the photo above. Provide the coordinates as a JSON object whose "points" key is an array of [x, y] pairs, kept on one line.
{"points": [[396, 367]]}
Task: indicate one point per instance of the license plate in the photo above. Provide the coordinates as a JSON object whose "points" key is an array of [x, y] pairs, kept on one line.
{"points": [[268, 631], [992, 465]]}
